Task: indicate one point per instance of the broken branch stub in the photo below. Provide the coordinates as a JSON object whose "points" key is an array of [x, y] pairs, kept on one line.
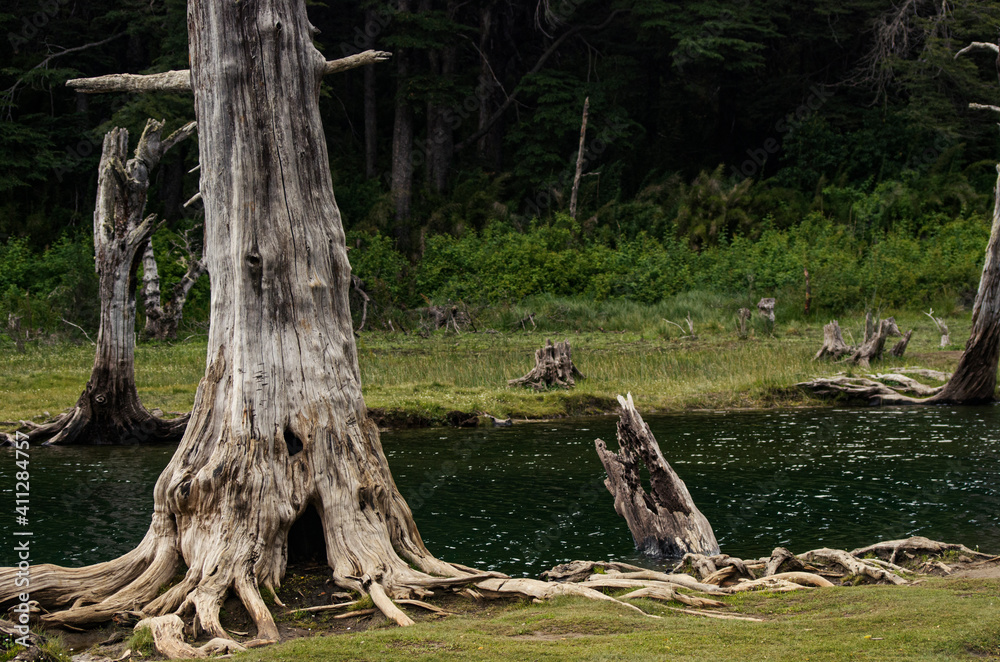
{"points": [[553, 367], [664, 522]]}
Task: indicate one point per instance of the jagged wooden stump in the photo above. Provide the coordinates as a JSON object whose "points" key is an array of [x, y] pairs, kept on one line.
{"points": [[665, 522], [553, 367], [871, 349]]}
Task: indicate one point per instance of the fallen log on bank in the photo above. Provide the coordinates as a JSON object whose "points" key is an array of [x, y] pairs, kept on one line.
{"points": [[664, 522]]}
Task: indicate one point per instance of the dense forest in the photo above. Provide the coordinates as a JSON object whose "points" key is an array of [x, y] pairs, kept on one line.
{"points": [[730, 146]]}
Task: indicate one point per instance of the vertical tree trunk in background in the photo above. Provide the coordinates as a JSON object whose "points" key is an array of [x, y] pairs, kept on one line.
{"points": [[488, 147], [579, 160], [402, 146], [371, 111], [975, 378], [279, 425], [440, 134], [162, 320], [109, 410]]}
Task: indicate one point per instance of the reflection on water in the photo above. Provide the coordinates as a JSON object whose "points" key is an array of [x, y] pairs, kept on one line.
{"points": [[524, 498]]}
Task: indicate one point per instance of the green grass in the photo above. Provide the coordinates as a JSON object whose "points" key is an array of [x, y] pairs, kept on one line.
{"points": [[939, 620], [408, 379]]}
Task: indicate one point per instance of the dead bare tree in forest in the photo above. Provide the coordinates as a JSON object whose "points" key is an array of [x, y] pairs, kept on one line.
{"points": [[975, 378], [163, 317], [109, 410], [279, 426]]}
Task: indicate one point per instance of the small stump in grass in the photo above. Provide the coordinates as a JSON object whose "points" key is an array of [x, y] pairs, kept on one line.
{"points": [[553, 367]]}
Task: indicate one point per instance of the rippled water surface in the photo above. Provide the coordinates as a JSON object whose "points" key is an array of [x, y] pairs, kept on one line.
{"points": [[522, 499]]}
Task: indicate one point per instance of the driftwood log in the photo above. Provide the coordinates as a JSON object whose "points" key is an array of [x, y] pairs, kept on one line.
{"points": [[553, 367], [664, 522]]}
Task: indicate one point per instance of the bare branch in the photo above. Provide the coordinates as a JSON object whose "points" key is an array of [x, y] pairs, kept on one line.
{"points": [[979, 45], [9, 93], [984, 106], [180, 81], [354, 61]]}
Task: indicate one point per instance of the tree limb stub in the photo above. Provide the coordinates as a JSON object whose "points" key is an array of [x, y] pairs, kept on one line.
{"points": [[664, 522], [180, 81]]}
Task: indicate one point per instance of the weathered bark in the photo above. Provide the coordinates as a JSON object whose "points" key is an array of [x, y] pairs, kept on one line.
{"points": [[766, 309], [553, 367], [895, 550], [941, 327], [109, 410], [279, 424], [163, 319], [871, 349], [664, 522], [579, 160], [975, 378], [742, 317]]}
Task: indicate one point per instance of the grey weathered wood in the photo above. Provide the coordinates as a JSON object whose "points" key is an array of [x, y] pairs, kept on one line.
{"points": [[553, 367], [579, 160], [279, 424], [664, 522], [180, 81], [109, 410], [834, 346], [942, 328], [164, 317]]}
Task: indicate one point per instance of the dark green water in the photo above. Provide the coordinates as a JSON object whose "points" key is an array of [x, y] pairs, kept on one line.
{"points": [[522, 499]]}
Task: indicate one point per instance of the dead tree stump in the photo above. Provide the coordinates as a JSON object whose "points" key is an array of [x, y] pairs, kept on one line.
{"points": [[742, 317], [553, 367], [766, 309], [109, 410], [873, 347], [833, 343], [665, 522], [941, 327]]}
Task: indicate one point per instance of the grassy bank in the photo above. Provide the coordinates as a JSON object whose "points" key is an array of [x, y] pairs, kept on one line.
{"points": [[942, 619], [620, 347]]}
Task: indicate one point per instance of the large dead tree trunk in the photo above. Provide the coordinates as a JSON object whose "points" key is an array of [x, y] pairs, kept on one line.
{"points": [[664, 522], [163, 318], [279, 425], [109, 410]]}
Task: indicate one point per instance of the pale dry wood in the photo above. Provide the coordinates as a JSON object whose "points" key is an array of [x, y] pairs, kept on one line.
{"points": [[661, 593], [889, 550], [665, 522], [851, 564], [357, 613], [318, 608], [686, 581], [109, 410], [712, 614], [979, 45], [834, 346], [532, 588], [168, 639], [553, 367], [941, 327], [782, 560], [579, 160], [384, 603], [766, 584], [424, 605], [180, 81], [803, 579], [580, 570]]}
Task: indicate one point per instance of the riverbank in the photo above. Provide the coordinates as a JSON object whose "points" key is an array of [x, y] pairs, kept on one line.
{"points": [[449, 378], [934, 618]]}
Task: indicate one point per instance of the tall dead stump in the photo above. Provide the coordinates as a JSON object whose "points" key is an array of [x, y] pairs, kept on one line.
{"points": [[664, 522], [553, 367]]}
